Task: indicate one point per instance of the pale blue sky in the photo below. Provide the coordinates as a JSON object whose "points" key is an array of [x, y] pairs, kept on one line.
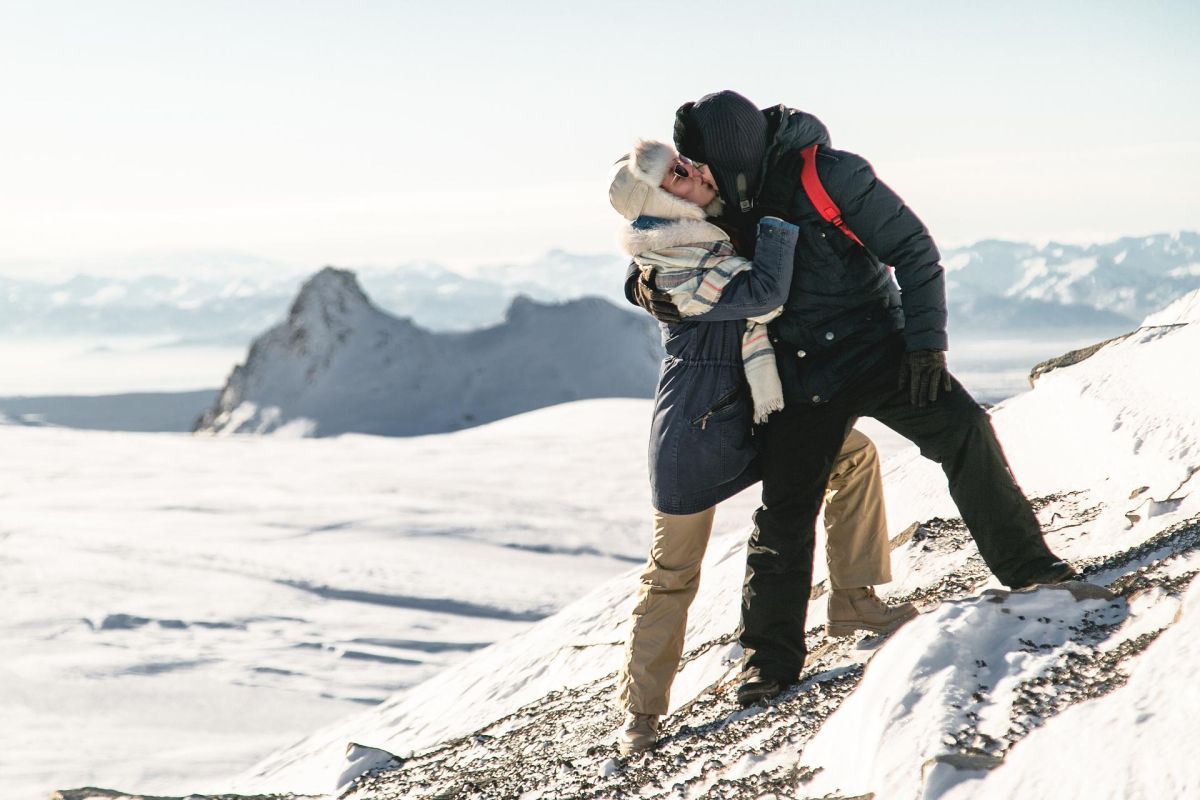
{"points": [[380, 132]]}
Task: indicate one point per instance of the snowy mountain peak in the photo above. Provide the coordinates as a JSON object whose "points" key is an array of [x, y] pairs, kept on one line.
{"points": [[330, 295], [338, 364], [521, 307]]}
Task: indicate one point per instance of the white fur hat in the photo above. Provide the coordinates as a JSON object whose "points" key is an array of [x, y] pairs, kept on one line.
{"points": [[635, 190]]}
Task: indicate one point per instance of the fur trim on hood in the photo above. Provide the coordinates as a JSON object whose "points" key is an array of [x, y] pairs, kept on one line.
{"points": [[634, 188], [651, 160], [651, 233]]}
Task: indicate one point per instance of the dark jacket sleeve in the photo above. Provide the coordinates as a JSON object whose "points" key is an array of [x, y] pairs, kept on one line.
{"points": [[765, 285], [893, 234]]}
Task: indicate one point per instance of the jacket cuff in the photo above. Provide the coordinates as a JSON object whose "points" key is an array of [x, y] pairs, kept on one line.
{"points": [[926, 340], [776, 240]]}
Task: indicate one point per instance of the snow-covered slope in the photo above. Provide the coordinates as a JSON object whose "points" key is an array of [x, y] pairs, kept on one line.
{"points": [[982, 697], [338, 364], [174, 608]]}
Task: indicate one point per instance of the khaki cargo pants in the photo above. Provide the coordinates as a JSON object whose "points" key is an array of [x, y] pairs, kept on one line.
{"points": [[857, 549]]}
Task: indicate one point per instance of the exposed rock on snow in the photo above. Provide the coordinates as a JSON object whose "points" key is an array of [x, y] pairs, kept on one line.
{"points": [[339, 365], [943, 702], [1183, 311], [91, 793], [1073, 357]]}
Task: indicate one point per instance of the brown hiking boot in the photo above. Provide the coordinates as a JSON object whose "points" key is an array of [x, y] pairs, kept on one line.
{"points": [[860, 609], [638, 734]]}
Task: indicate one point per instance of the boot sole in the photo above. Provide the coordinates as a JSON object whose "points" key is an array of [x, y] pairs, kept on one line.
{"points": [[747, 699], [625, 751], [839, 629], [759, 697]]}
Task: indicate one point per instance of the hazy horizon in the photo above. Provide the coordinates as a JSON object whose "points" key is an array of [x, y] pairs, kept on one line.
{"points": [[217, 264], [376, 132]]}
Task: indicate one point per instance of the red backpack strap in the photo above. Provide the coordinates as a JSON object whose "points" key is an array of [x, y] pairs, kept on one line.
{"points": [[817, 194]]}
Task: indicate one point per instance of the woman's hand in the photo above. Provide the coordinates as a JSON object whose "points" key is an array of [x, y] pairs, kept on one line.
{"points": [[656, 303]]}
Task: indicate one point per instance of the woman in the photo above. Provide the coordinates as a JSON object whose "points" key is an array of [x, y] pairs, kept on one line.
{"points": [[718, 378]]}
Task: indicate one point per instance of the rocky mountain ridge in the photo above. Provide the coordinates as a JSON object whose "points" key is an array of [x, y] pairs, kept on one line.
{"points": [[338, 364]]}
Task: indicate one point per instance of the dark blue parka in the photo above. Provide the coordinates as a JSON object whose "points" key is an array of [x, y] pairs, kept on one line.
{"points": [[844, 313], [701, 445], [843, 304]]}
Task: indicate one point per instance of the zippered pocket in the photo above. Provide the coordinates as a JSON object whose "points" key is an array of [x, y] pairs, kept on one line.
{"points": [[722, 404]]}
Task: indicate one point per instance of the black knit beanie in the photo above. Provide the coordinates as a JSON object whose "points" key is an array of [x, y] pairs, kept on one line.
{"points": [[727, 132]]}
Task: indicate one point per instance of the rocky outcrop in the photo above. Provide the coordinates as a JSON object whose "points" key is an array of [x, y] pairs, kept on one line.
{"points": [[338, 364], [1071, 358]]}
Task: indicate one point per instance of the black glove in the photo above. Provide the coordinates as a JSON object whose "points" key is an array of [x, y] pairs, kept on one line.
{"points": [[645, 294], [924, 371]]}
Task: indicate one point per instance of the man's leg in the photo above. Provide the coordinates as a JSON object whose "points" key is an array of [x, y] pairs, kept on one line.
{"points": [[956, 432], [669, 583], [857, 544], [797, 449]]}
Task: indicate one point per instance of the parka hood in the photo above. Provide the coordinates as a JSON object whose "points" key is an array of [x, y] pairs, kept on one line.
{"points": [[791, 129]]}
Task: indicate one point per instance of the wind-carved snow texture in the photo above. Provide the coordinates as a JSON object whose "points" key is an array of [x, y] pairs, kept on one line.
{"points": [[338, 364]]}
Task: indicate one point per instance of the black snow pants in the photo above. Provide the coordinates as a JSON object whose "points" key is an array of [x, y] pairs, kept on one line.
{"points": [[797, 448]]}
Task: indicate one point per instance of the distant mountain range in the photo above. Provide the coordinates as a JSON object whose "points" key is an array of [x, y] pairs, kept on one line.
{"points": [[992, 286], [223, 310], [338, 364], [995, 284]]}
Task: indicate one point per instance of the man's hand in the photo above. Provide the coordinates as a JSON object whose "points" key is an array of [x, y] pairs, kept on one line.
{"points": [[657, 304], [924, 371]]}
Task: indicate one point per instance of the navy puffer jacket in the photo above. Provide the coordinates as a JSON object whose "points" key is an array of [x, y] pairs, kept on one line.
{"points": [[843, 304]]}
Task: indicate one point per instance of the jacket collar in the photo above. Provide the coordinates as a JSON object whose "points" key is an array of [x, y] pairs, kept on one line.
{"points": [[655, 233]]}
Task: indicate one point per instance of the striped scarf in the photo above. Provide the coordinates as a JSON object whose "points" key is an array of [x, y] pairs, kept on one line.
{"points": [[695, 274]]}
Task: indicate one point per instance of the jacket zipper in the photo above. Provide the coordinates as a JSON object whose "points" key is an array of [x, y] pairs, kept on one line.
{"points": [[722, 404]]}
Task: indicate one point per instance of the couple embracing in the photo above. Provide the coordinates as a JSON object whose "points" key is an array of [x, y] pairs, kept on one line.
{"points": [[762, 251]]}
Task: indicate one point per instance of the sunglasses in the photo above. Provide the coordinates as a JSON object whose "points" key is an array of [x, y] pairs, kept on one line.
{"points": [[680, 170]]}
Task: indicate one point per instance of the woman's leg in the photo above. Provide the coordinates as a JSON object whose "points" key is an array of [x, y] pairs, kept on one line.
{"points": [[668, 585], [857, 543]]}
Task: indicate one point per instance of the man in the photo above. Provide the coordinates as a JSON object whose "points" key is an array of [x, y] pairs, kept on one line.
{"points": [[848, 344]]}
